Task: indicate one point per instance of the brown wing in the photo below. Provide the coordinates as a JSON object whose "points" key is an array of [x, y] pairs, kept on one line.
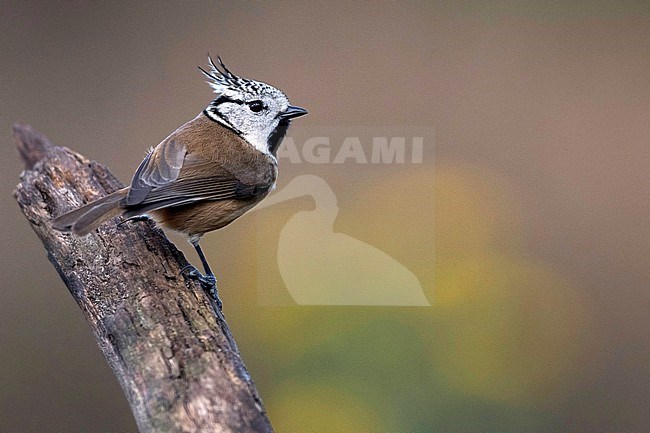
{"points": [[156, 182], [160, 167]]}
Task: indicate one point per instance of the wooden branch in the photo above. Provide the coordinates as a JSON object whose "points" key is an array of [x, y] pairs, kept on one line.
{"points": [[170, 349]]}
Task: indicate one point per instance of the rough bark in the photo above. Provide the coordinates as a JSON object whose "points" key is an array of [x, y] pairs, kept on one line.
{"points": [[170, 349]]}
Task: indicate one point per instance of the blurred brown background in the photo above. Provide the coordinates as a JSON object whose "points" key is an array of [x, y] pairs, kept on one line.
{"points": [[540, 280]]}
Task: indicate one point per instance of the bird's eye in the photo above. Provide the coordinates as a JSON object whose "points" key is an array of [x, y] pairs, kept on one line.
{"points": [[256, 106]]}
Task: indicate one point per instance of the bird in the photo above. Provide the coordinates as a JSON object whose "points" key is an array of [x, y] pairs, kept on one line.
{"points": [[205, 174]]}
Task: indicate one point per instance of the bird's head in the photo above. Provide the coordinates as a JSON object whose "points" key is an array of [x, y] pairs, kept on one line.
{"points": [[256, 111]]}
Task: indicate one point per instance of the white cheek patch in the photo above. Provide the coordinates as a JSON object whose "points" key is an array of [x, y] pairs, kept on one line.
{"points": [[255, 137], [216, 118], [258, 140]]}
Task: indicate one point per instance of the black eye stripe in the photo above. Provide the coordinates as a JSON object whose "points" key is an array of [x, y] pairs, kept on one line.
{"points": [[221, 99], [255, 106]]}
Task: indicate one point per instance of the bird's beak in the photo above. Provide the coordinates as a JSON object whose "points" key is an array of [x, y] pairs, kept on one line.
{"points": [[293, 111]]}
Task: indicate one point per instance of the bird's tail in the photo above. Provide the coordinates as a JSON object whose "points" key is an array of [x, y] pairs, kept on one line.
{"points": [[87, 218]]}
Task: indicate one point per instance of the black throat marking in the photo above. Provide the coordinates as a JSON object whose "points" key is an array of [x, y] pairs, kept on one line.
{"points": [[277, 135]]}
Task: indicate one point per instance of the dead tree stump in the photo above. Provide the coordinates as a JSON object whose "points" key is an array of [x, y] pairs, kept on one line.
{"points": [[170, 349]]}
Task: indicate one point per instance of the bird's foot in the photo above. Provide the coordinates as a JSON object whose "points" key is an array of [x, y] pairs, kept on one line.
{"points": [[135, 219], [207, 282]]}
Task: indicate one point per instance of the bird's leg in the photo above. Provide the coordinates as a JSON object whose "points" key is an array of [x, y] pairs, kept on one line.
{"points": [[208, 281]]}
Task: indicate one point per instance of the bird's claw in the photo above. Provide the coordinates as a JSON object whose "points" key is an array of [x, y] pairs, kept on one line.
{"points": [[207, 282], [135, 219]]}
